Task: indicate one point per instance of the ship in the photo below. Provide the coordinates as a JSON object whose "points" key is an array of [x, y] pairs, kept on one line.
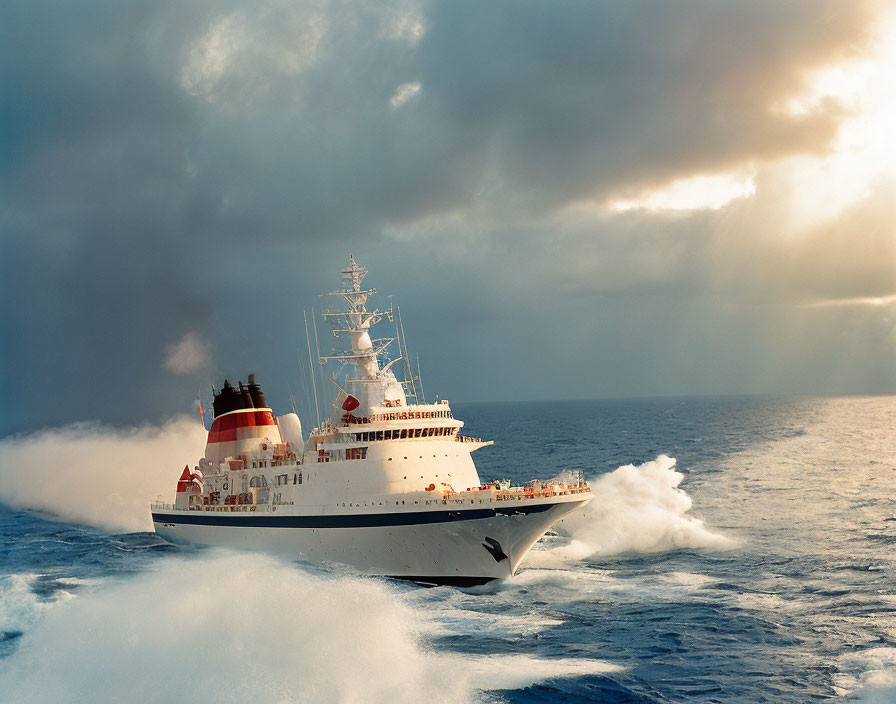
{"points": [[384, 485]]}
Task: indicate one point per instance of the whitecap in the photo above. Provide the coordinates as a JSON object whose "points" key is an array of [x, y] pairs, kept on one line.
{"points": [[636, 509], [231, 626]]}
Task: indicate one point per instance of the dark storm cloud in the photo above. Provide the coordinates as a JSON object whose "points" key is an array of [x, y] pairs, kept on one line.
{"points": [[95, 209], [603, 96], [190, 167], [730, 300]]}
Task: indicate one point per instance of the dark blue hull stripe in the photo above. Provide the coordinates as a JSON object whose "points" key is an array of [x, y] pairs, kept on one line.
{"points": [[364, 520]]}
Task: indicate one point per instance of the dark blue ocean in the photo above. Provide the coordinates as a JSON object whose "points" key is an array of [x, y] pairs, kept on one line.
{"points": [[759, 566]]}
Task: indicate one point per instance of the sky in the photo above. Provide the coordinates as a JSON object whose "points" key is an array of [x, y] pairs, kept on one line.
{"points": [[567, 200]]}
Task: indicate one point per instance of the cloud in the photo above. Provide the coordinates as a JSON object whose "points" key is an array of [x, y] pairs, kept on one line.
{"points": [[174, 168], [187, 355], [404, 93]]}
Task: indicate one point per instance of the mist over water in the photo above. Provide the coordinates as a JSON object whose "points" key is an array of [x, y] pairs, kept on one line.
{"points": [[759, 564], [98, 475]]}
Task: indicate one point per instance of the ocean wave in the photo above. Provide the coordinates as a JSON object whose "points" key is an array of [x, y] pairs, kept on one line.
{"points": [[21, 606], [239, 627], [868, 676], [636, 509]]}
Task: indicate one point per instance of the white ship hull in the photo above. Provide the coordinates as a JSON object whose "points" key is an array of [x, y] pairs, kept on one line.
{"points": [[460, 547], [374, 485]]}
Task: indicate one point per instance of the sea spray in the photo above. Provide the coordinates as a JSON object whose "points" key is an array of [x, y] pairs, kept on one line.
{"points": [[637, 509], [229, 626], [868, 676], [20, 607], [97, 475]]}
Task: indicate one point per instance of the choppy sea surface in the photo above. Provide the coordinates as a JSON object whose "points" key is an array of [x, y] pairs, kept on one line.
{"points": [[758, 565]]}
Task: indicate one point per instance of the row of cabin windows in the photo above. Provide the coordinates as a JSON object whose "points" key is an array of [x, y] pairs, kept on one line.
{"points": [[404, 434], [283, 479], [259, 481], [433, 502], [352, 453], [256, 464], [411, 415], [398, 415]]}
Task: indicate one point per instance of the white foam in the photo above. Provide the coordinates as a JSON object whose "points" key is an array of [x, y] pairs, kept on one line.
{"points": [[562, 585], [517, 671], [101, 476], [242, 627], [868, 675], [767, 602], [453, 619], [686, 580], [20, 607], [637, 509]]}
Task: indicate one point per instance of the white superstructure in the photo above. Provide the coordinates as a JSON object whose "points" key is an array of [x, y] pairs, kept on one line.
{"points": [[384, 485]]}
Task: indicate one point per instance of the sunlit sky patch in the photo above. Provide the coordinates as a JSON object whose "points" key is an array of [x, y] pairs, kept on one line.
{"points": [[695, 193], [862, 301], [865, 148], [863, 151]]}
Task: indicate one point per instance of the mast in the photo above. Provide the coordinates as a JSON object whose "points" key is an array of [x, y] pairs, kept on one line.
{"points": [[420, 379], [370, 384], [311, 363], [402, 341]]}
